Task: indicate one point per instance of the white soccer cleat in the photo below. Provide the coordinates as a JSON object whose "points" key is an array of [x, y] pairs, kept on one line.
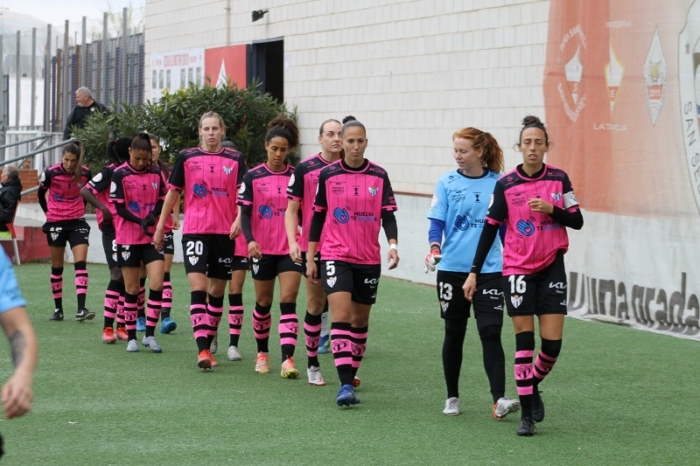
{"points": [[233, 354], [451, 407], [505, 406], [315, 377]]}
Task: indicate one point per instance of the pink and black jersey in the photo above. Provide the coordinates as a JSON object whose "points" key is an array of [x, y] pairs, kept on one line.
{"points": [[302, 188], [265, 192], [355, 200], [139, 191], [99, 186], [63, 200], [210, 181], [532, 238]]}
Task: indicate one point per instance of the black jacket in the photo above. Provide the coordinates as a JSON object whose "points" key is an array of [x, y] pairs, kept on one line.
{"points": [[78, 116], [9, 197]]}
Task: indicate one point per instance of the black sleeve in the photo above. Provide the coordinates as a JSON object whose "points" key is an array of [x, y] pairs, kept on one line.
{"points": [[391, 229], [568, 219], [124, 213], [488, 235], [158, 209], [316, 227], [246, 211], [42, 199]]}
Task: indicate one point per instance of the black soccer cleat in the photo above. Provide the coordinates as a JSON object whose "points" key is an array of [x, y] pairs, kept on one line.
{"points": [[57, 315], [84, 314], [526, 427], [537, 406]]}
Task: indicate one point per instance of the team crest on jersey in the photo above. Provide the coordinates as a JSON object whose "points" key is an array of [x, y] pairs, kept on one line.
{"points": [[556, 196], [516, 300], [126, 254], [155, 186], [256, 267], [373, 190], [444, 305], [193, 260], [54, 236], [331, 281], [227, 170]]}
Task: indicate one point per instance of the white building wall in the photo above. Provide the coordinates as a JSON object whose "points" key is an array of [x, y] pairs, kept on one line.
{"points": [[412, 71]]}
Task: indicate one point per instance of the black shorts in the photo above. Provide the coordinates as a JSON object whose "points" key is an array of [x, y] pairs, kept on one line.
{"points": [[109, 246], [240, 263], [361, 281], [169, 243], [317, 260], [543, 292], [488, 299], [133, 255], [74, 232], [211, 255], [270, 266]]}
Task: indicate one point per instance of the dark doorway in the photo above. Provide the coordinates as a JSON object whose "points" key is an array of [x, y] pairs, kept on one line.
{"points": [[266, 65]]}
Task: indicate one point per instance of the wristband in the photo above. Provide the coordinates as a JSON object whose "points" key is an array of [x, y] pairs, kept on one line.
{"points": [[393, 246]]}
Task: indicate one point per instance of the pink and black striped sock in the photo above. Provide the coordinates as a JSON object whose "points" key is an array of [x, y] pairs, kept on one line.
{"points": [[215, 309], [130, 314], [111, 302], [57, 286], [167, 296], [358, 343], [288, 329], [312, 335], [261, 327], [141, 305], [155, 300], [81, 282], [199, 319], [121, 322], [546, 358], [341, 345], [235, 317], [524, 350]]}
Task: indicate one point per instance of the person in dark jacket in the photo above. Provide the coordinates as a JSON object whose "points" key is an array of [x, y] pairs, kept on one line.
{"points": [[85, 105], [10, 194]]}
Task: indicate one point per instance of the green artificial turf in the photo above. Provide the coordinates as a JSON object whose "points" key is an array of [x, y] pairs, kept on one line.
{"points": [[616, 396]]}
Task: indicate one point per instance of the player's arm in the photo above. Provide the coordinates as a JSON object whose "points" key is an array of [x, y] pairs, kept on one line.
{"points": [[17, 392], [291, 224]]}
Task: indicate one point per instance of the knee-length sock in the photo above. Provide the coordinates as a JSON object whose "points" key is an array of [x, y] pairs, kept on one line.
{"points": [[261, 327], [199, 319], [235, 317], [452, 347], [546, 358], [288, 329], [114, 290], [312, 337], [358, 343], [57, 286], [142, 298], [167, 297], [81, 282], [341, 334], [130, 314], [155, 300], [215, 309], [524, 349]]}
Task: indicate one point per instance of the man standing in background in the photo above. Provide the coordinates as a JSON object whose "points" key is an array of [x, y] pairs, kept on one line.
{"points": [[85, 105]]}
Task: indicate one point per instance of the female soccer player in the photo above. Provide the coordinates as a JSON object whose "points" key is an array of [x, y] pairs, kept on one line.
{"points": [[263, 201], [59, 198], [209, 176], [357, 195], [138, 190], [96, 192], [456, 213], [536, 202], [167, 325], [301, 191]]}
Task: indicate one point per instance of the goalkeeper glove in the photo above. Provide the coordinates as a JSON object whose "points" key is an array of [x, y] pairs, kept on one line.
{"points": [[432, 259]]}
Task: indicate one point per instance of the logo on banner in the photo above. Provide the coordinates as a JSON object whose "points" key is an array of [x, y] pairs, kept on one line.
{"points": [[193, 259], [573, 97], [655, 78], [331, 281], [689, 91], [517, 300], [613, 77]]}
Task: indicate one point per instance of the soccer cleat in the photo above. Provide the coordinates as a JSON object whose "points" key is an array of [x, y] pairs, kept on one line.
{"points": [[233, 354], [132, 346], [214, 346], [324, 345], [262, 363], [537, 406], [213, 360], [108, 336], [451, 407], [141, 324], [315, 377], [167, 326], [84, 314], [526, 427], [204, 360], [57, 315], [355, 382], [122, 335], [288, 370], [346, 396], [505, 406], [152, 344]]}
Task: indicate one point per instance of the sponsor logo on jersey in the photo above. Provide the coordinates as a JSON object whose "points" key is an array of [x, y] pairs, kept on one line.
{"points": [[371, 281], [135, 207], [525, 227], [557, 285], [58, 198], [265, 211], [331, 281], [462, 222], [341, 215], [516, 300], [199, 190]]}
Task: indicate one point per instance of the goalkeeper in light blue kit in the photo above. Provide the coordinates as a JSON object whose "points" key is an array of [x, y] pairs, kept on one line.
{"points": [[456, 217]]}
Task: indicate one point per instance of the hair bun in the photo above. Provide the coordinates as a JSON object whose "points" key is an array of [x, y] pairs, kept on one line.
{"points": [[349, 118], [531, 120]]}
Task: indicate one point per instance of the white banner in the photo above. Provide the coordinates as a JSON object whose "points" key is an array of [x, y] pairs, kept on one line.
{"points": [[175, 70]]}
